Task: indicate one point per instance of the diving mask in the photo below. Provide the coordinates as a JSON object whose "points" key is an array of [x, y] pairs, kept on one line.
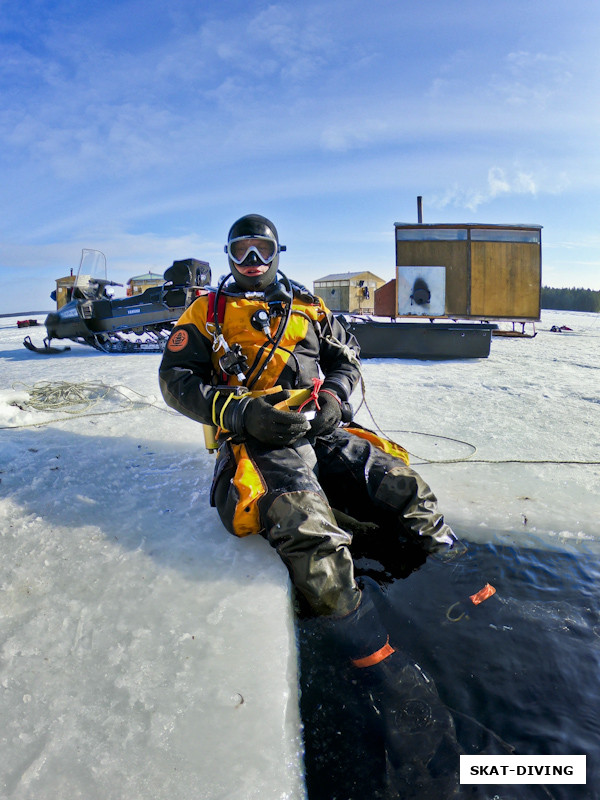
{"points": [[240, 248]]}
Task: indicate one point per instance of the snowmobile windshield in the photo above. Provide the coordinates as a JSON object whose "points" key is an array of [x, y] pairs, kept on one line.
{"points": [[240, 248], [91, 279]]}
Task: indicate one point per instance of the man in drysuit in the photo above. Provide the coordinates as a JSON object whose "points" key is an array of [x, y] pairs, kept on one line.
{"points": [[251, 358]]}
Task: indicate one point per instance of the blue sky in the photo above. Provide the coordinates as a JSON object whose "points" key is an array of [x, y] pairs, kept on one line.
{"points": [[144, 129]]}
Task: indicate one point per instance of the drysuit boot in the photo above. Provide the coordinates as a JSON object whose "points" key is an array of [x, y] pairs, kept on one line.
{"points": [[416, 727]]}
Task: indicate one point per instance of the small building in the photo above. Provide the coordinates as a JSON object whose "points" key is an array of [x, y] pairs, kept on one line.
{"points": [[349, 292], [140, 283], [64, 290], [466, 271]]}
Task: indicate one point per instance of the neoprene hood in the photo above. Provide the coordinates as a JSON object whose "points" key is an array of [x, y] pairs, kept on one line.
{"points": [[250, 226]]}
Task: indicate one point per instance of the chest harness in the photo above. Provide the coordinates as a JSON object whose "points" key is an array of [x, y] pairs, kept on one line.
{"points": [[233, 362]]}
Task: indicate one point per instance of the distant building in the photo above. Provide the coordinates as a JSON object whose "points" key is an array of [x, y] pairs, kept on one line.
{"points": [[64, 290], [140, 283], [348, 292]]}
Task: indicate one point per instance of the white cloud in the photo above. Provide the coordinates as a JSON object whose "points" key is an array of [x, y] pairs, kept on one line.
{"points": [[532, 79], [346, 135], [125, 253], [498, 182]]}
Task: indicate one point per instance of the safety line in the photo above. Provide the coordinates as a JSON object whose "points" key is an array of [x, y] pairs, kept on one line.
{"points": [[468, 458], [63, 395]]}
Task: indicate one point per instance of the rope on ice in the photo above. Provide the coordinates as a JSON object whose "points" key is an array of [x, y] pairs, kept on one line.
{"points": [[75, 400]]}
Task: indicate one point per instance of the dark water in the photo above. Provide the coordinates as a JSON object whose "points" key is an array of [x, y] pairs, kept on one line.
{"points": [[521, 670]]}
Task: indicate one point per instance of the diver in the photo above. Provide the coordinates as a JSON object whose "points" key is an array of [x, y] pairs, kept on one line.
{"points": [[266, 364]]}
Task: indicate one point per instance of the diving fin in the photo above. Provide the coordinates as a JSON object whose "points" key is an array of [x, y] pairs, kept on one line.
{"points": [[417, 730]]}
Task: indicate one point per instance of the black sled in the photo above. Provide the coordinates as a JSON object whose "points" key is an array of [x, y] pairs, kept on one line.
{"points": [[141, 323]]}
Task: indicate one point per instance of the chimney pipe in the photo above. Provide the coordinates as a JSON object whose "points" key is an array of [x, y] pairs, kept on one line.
{"points": [[420, 209]]}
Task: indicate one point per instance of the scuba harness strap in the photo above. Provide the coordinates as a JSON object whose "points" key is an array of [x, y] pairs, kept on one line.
{"points": [[279, 297], [216, 308]]}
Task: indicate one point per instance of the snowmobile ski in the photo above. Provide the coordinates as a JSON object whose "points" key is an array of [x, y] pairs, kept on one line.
{"points": [[46, 350]]}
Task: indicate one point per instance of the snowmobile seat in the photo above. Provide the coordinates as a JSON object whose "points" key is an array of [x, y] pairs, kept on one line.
{"points": [[188, 272], [181, 275], [150, 295], [175, 298]]}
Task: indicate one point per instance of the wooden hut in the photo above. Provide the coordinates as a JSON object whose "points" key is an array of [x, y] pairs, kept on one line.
{"points": [[491, 271]]}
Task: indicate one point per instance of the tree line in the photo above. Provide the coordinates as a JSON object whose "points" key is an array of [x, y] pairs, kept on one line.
{"points": [[571, 299]]}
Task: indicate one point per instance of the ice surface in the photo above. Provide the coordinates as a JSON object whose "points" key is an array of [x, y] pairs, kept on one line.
{"points": [[532, 401], [144, 652]]}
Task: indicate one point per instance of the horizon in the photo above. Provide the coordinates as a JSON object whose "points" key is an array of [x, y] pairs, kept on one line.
{"points": [[543, 308]]}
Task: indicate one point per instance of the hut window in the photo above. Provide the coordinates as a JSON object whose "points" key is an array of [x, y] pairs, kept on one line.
{"points": [[431, 234], [504, 235]]}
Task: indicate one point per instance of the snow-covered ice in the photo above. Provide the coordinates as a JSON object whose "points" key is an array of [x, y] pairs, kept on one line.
{"points": [[146, 653]]}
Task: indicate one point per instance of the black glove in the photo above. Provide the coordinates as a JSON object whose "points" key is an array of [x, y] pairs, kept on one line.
{"points": [[256, 417], [329, 416]]}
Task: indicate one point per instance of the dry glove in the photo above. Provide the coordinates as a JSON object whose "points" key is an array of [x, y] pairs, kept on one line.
{"points": [[329, 414], [272, 425], [257, 417]]}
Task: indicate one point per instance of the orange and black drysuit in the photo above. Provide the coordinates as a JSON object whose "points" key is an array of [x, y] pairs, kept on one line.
{"points": [[287, 493]]}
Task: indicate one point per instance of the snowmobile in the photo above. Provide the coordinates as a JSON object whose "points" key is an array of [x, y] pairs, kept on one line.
{"points": [[140, 323]]}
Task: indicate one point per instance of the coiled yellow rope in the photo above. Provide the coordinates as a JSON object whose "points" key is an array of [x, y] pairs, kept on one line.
{"points": [[75, 400]]}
